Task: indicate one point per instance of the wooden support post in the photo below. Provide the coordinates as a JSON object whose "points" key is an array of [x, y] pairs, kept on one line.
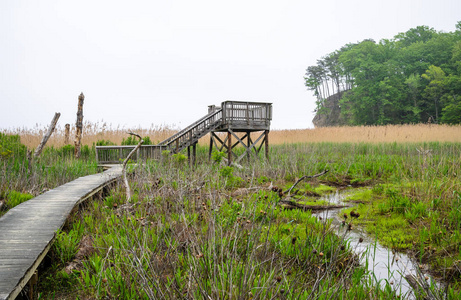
{"points": [[47, 134], [194, 153], [210, 150], [33, 286], [266, 142], [188, 155], [248, 144], [229, 148], [79, 126], [67, 135], [177, 146]]}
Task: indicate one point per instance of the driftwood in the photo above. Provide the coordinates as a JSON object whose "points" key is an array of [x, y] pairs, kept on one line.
{"points": [[79, 126], [47, 134], [125, 162], [302, 178], [67, 134], [289, 204]]}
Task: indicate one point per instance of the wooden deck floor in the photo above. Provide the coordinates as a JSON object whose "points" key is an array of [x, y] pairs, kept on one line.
{"points": [[27, 231]]}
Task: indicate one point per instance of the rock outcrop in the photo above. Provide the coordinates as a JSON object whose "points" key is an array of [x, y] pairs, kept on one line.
{"points": [[330, 114]]}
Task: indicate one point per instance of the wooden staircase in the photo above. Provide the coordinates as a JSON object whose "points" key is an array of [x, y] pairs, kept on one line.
{"points": [[192, 133]]}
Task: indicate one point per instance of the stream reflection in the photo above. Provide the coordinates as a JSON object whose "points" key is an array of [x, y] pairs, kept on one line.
{"points": [[385, 265]]}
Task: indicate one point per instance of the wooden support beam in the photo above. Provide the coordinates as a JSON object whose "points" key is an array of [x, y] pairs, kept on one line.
{"points": [[210, 150], [194, 154], [250, 147], [266, 141], [188, 155], [248, 141], [229, 147]]}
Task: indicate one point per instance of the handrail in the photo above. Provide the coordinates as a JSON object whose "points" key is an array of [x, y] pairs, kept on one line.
{"points": [[193, 134], [181, 132], [116, 154]]}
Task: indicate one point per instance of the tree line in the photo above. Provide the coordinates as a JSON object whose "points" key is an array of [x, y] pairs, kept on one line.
{"points": [[414, 77]]}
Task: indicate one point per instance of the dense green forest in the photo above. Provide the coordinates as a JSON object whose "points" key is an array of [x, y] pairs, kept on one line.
{"points": [[414, 77]]}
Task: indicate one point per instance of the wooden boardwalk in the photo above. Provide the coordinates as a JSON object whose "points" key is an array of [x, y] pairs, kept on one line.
{"points": [[27, 231]]}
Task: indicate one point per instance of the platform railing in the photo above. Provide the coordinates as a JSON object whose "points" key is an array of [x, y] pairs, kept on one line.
{"points": [[250, 113]]}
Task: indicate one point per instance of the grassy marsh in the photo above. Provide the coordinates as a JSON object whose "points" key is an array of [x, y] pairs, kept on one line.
{"points": [[212, 231]]}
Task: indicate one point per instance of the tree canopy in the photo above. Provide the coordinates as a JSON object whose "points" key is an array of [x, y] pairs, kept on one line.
{"points": [[414, 77]]}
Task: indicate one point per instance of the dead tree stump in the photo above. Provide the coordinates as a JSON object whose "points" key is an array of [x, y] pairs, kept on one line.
{"points": [[67, 135], [47, 135], [79, 126]]}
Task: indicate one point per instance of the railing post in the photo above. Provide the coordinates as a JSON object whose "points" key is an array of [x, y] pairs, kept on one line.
{"points": [[247, 113], [223, 111]]}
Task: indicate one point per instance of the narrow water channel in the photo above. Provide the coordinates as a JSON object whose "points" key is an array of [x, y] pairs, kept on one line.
{"points": [[385, 265]]}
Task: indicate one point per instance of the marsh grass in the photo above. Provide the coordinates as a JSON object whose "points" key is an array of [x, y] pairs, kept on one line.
{"points": [[180, 238], [21, 178], [186, 236], [189, 233]]}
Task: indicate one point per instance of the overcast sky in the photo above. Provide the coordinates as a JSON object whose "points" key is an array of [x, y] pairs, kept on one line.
{"points": [[164, 62]]}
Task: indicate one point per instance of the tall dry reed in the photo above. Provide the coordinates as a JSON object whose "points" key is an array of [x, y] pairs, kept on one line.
{"points": [[94, 132]]}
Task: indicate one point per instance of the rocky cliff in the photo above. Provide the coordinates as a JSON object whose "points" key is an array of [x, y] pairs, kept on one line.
{"points": [[330, 114]]}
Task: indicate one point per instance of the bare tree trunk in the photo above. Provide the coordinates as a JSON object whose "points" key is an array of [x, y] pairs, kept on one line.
{"points": [[79, 126], [125, 162], [67, 135], [47, 134]]}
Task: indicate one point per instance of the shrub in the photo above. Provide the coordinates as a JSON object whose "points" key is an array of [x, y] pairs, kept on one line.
{"points": [[67, 150], [217, 156], [104, 143], [179, 158], [132, 140], [11, 147], [15, 198]]}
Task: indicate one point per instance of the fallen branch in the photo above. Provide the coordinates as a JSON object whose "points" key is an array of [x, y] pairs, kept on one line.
{"points": [[302, 178], [289, 204], [125, 162]]}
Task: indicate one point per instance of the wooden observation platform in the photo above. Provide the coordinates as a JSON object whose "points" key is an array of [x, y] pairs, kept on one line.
{"points": [[236, 119]]}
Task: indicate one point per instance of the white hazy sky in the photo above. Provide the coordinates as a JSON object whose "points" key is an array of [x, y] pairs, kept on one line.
{"points": [[163, 62]]}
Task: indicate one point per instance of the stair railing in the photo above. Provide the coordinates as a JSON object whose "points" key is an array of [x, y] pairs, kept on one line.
{"points": [[193, 132]]}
